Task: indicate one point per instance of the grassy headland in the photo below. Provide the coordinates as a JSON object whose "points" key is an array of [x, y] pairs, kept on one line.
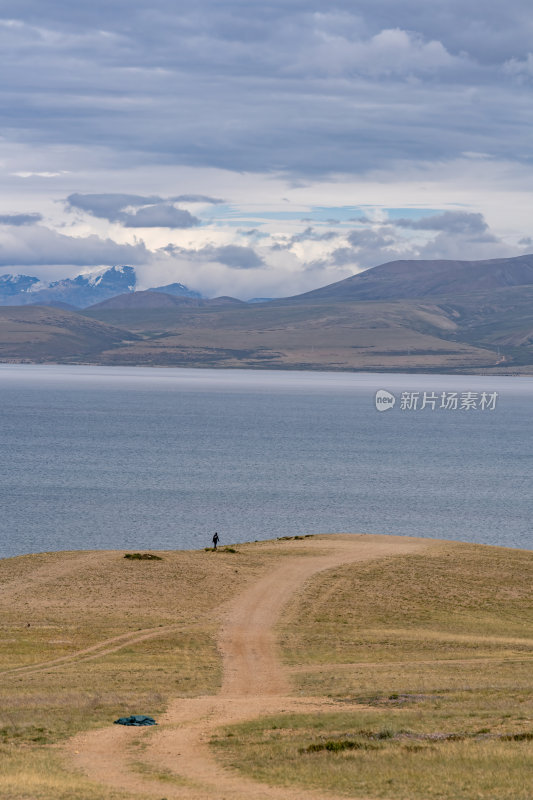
{"points": [[426, 660]]}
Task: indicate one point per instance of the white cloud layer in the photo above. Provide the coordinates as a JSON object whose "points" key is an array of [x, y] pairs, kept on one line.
{"points": [[230, 146]]}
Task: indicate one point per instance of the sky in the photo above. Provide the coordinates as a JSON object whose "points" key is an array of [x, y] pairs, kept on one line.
{"points": [[262, 149]]}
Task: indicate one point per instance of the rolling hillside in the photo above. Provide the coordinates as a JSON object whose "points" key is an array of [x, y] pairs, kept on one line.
{"points": [[401, 335], [400, 280], [406, 315], [44, 334]]}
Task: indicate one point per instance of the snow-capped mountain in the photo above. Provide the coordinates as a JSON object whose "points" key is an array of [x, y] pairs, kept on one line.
{"points": [[13, 285], [82, 291]]}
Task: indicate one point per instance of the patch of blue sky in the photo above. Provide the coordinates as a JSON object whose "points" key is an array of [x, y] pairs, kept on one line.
{"points": [[236, 223], [328, 215], [222, 211]]}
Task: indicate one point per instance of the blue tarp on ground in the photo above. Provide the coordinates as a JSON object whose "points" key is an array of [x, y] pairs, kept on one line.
{"points": [[136, 719]]}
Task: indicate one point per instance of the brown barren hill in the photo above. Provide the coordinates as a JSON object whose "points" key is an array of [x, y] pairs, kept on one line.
{"points": [[400, 280], [42, 333]]}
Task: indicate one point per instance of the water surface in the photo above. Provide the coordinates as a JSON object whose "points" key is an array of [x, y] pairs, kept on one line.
{"points": [[138, 458]]}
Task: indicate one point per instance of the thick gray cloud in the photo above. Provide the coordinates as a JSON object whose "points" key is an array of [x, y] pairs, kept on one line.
{"points": [[459, 235], [368, 247], [306, 87], [151, 212], [40, 246], [114, 95], [20, 219], [160, 215], [368, 237], [107, 206], [461, 222], [235, 256]]}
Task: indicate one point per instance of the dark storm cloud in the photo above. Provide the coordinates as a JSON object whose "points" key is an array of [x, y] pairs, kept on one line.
{"points": [[151, 212], [307, 87], [20, 219]]}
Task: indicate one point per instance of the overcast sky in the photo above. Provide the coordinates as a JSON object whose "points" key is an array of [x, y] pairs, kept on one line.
{"points": [[262, 149]]}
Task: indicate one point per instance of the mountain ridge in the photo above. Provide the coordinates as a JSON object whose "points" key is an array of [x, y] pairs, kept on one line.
{"points": [[414, 278], [82, 291], [394, 280], [475, 316]]}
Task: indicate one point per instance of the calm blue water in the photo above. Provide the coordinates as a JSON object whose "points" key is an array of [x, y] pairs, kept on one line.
{"points": [[105, 457]]}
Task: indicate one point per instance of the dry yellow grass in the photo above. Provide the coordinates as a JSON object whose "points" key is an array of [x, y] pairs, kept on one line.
{"points": [[86, 637], [381, 755], [428, 644], [437, 648]]}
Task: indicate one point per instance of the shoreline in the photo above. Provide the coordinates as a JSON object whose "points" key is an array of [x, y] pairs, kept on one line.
{"points": [[459, 371], [121, 551]]}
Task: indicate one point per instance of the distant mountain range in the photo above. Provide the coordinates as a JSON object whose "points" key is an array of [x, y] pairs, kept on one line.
{"points": [[79, 292], [446, 316]]}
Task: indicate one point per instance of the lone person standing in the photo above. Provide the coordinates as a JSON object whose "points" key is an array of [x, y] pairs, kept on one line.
{"points": [[215, 541]]}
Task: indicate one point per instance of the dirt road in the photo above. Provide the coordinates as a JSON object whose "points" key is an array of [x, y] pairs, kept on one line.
{"points": [[255, 683]]}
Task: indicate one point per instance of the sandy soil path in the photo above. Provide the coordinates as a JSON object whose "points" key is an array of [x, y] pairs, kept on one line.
{"points": [[255, 683]]}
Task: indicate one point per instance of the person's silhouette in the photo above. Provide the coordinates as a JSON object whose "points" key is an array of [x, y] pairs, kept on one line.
{"points": [[215, 541]]}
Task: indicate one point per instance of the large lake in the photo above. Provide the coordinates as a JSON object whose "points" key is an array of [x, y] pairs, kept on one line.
{"points": [[138, 458]]}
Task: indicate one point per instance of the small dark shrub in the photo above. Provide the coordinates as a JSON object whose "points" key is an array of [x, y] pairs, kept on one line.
{"points": [[143, 557], [386, 733], [337, 745]]}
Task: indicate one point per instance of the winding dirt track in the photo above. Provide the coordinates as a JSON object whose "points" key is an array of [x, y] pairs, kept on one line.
{"points": [[255, 683], [103, 648]]}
